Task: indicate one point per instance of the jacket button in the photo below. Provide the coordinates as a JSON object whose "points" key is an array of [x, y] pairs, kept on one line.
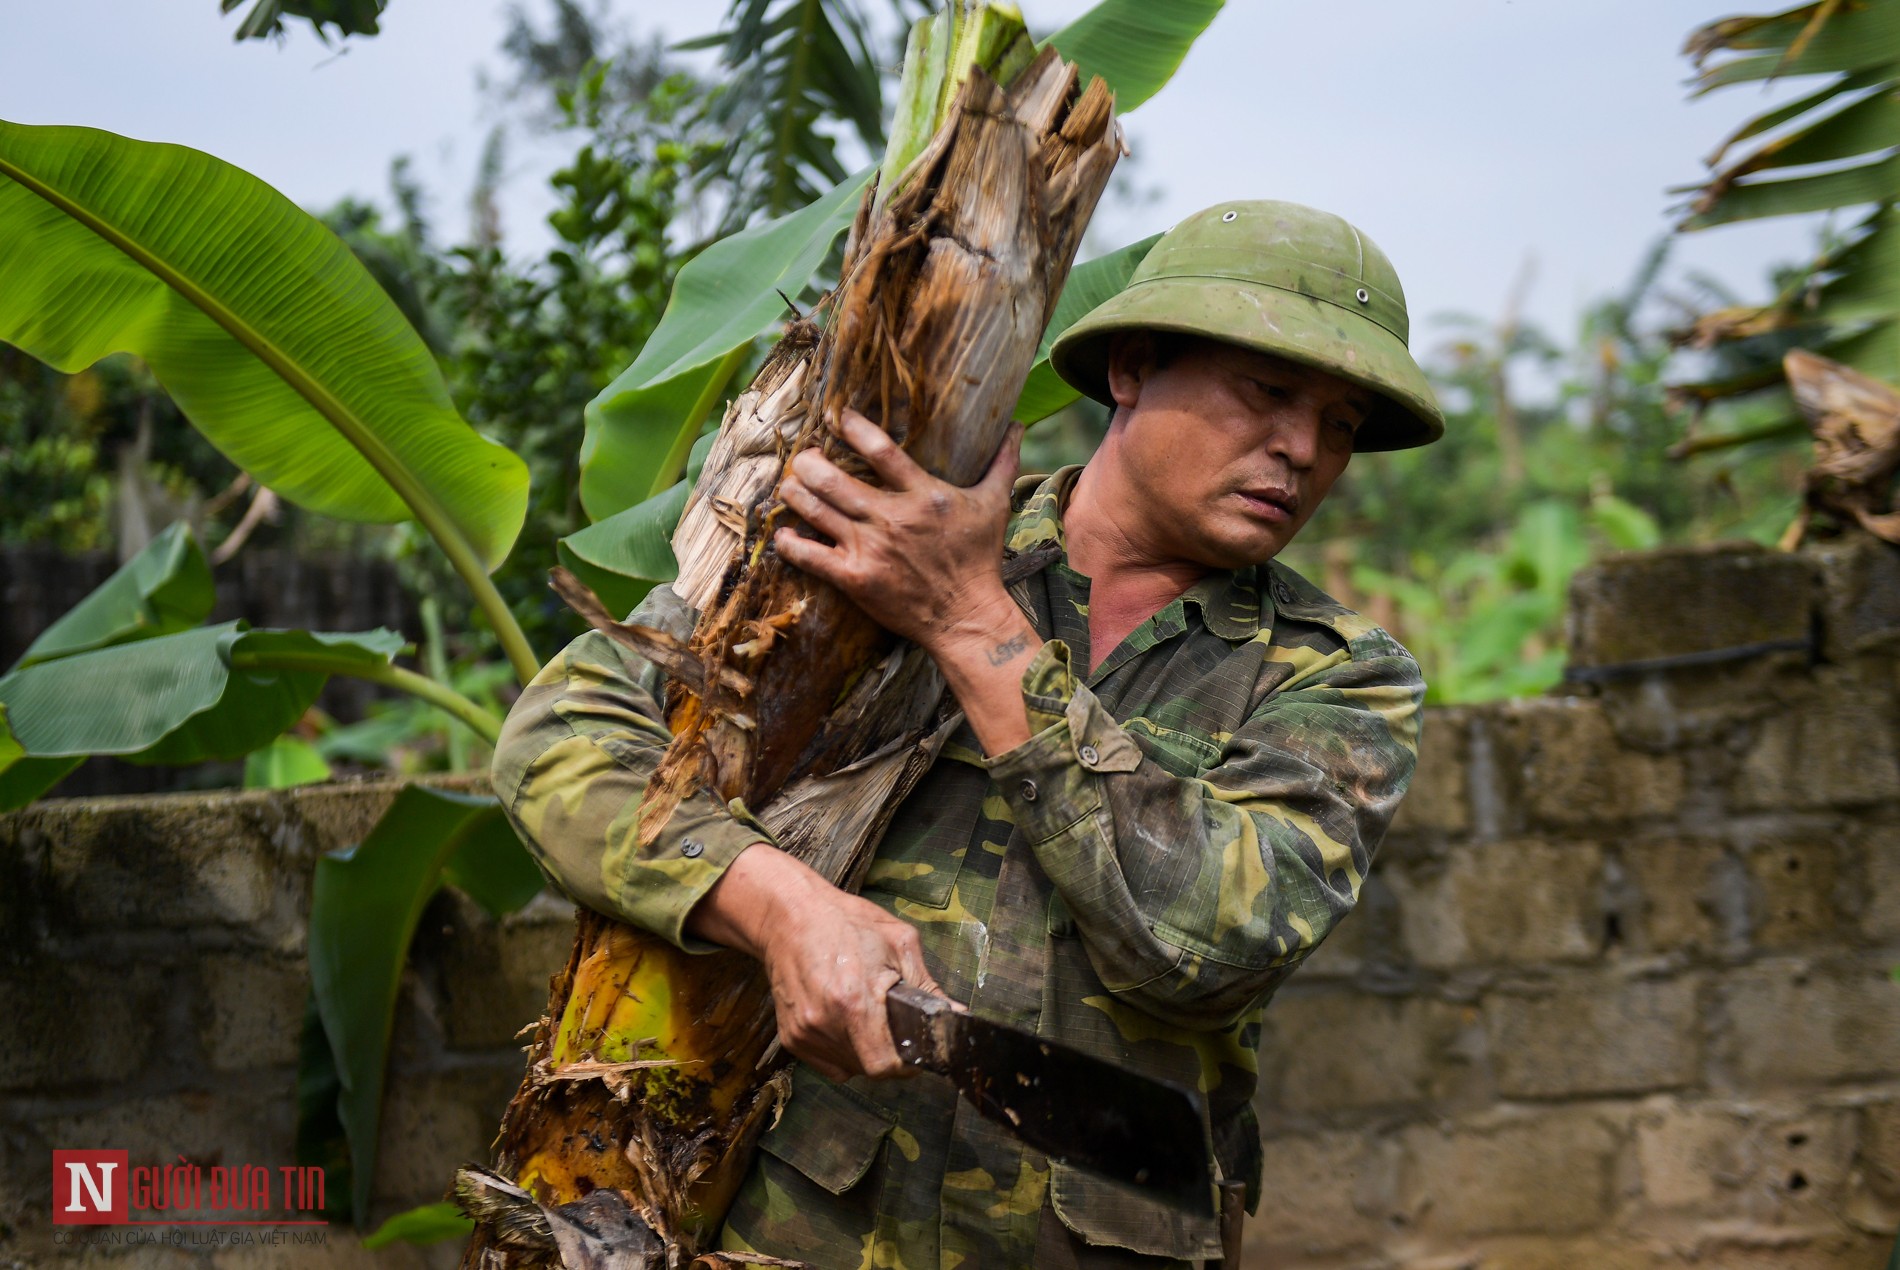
{"points": [[1029, 791], [1088, 755], [691, 848], [1283, 593]]}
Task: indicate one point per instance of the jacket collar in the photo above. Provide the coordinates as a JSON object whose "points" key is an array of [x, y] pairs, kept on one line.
{"points": [[1233, 605]]}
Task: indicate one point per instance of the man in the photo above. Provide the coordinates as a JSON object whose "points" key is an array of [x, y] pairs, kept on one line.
{"points": [[1177, 760]]}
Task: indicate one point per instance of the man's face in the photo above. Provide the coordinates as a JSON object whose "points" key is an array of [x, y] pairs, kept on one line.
{"points": [[1237, 447]]}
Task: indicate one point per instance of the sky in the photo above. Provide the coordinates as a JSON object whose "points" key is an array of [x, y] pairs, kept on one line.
{"points": [[1472, 139]]}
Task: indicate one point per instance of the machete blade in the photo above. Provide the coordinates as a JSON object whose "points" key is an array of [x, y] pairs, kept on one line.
{"points": [[1071, 1106]]}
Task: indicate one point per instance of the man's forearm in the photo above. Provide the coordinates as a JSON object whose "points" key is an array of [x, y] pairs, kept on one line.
{"points": [[983, 659], [746, 902]]}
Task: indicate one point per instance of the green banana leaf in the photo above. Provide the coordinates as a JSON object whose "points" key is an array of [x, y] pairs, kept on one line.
{"points": [[321, 1141], [1863, 128], [428, 1224], [1855, 38], [731, 293], [22, 779], [1136, 45], [626, 555], [723, 299], [163, 589], [364, 907], [285, 762], [1624, 525], [11, 751], [213, 692], [1753, 200], [1090, 285], [275, 342], [1795, 109]]}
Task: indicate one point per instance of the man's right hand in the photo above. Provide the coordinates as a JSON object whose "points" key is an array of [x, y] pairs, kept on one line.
{"points": [[831, 958]]}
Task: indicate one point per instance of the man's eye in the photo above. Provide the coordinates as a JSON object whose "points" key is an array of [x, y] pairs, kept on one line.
{"points": [[1273, 391]]}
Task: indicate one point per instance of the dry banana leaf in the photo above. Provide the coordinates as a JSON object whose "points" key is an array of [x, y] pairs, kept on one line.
{"points": [[1856, 425]]}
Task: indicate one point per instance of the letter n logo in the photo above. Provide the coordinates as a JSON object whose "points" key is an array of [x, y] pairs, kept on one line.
{"points": [[89, 1187]]}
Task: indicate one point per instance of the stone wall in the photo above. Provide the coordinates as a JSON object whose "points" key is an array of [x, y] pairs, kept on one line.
{"points": [[1618, 991], [152, 987], [1618, 994]]}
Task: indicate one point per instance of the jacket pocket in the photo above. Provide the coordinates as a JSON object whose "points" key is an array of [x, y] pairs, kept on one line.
{"points": [[829, 1133], [1111, 1214]]}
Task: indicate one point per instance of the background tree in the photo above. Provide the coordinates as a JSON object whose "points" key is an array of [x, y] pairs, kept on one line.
{"points": [[1830, 150], [267, 17]]}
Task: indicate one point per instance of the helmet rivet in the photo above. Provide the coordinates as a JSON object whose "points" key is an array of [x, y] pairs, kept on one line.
{"points": [[1231, 216], [1364, 296]]}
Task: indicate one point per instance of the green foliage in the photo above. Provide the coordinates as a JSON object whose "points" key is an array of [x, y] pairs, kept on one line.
{"points": [[266, 18], [730, 294], [624, 556], [81, 456], [209, 692], [286, 761], [365, 904], [1829, 150], [428, 1224], [1481, 621], [164, 589], [794, 72], [338, 407], [1090, 284], [1135, 45], [343, 407], [724, 301], [407, 735], [49, 459], [533, 345]]}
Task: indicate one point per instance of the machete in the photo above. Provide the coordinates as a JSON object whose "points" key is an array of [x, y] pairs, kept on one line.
{"points": [[1071, 1106]]}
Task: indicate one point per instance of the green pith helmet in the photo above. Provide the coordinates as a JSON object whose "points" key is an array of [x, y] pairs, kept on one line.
{"points": [[1283, 279]]}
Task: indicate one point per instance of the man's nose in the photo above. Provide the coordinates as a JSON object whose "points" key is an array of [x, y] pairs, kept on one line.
{"points": [[1295, 437]]}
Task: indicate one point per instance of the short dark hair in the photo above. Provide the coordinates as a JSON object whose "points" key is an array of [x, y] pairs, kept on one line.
{"points": [[1166, 346]]}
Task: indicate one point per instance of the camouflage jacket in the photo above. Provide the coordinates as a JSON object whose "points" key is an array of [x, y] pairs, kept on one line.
{"points": [[1187, 823]]}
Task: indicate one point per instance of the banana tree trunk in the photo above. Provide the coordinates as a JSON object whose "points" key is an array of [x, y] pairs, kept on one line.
{"points": [[653, 1072]]}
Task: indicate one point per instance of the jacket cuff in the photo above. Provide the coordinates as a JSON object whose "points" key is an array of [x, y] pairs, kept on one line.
{"points": [[1053, 779], [658, 888]]}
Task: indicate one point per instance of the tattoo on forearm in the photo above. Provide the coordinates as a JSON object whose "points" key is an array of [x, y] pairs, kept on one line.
{"points": [[1008, 650]]}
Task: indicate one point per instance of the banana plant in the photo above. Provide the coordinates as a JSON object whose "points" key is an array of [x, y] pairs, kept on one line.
{"points": [[271, 337], [283, 351], [1828, 150], [727, 300]]}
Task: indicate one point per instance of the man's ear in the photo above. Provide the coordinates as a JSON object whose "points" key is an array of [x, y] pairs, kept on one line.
{"points": [[1131, 357]]}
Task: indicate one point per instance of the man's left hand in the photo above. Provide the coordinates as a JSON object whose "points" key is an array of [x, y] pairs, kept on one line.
{"points": [[921, 556]]}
